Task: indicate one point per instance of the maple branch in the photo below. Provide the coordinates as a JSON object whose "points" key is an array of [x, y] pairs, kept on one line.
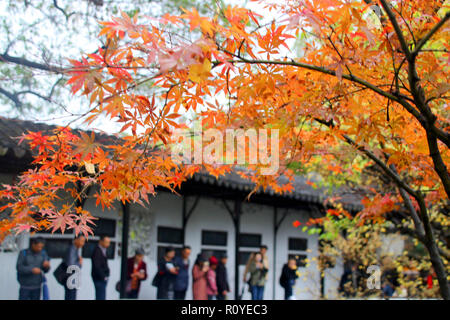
{"points": [[416, 91], [428, 36], [415, 217], [407, 25], [316, 68], [398, 30], [31, 64], [432, 133], [397, 97], [13, 97], [67, 15], [393, 175]]}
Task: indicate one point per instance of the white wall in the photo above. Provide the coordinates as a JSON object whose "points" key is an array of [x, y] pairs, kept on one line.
{"points": [[308, 284], [258, 219], [210, 214], [164, 210]]}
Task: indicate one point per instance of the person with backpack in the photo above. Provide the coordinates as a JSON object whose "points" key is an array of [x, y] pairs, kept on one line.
{"points": [[31, 264], [265, 261], [288, 277], [73, 257]]}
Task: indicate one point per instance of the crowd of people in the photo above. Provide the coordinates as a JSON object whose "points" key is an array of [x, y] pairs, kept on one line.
{"points": [[209, 275]]}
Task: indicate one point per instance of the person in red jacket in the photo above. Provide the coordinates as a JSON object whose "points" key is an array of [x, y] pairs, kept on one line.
{"points": [[211, 288], [137, 272]]}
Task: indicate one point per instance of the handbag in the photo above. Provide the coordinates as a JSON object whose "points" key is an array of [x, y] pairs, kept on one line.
{"points": [[127, 286], [61, 273], [156, 280]]}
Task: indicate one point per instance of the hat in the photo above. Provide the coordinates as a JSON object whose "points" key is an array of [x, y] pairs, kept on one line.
{"points": [[213, 260], [139, 251], [223, 255]]}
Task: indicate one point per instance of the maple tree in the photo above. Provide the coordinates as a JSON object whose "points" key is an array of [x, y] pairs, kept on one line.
{"points": [[366, 95]]}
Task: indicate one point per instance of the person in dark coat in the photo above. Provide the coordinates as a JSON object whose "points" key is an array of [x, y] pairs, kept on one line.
{"points": [[136, 272], [31, 264], [288, 277], [182, 279], [100, 269], [73, 257], [167, 273], [223, 287]]}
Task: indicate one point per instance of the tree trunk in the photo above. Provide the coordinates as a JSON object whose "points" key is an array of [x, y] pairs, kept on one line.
{"points": [[439, 268], [430, 243]]}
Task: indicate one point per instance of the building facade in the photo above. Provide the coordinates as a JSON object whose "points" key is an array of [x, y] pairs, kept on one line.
{"points": [[213, 216]]}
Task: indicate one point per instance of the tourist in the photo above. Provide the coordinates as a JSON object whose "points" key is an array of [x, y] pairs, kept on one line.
{"points": [[100, 269], [199, 282], [73, 257], [182, 280], [223, 287], [31, 264], [288, 276], [136, 273]]}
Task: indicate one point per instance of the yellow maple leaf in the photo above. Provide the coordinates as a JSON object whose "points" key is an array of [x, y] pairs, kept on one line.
{"points": [[200, 71]]}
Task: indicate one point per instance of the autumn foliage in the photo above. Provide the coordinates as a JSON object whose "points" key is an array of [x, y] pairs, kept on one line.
{"points": [[365, 86]]}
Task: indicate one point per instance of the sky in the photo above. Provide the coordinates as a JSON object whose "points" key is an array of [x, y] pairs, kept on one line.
{"points": [[80, 43]]}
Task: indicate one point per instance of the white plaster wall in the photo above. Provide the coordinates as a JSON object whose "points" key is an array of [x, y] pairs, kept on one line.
{"points": [[332, 279], [393, 244], [258, 219], [210, 214], [165, 210], [308, 284]]}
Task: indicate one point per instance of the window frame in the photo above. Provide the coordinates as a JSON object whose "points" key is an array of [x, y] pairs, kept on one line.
{"points": [[169, 228], [214, 244], [250, 234]]}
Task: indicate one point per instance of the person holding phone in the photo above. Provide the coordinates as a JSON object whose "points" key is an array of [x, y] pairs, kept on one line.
{"points": [[258, 273], [137, 272], [199, 278], [167, 273], [31, 264], [288, 276]]}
